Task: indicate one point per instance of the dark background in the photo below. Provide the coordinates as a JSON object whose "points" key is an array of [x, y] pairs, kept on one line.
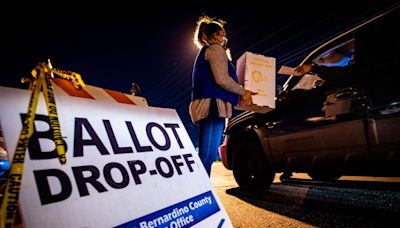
{"points": [[112, 44]]}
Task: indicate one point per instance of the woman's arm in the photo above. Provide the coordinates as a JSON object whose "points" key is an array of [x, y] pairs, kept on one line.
{"points": [[218, 60]]}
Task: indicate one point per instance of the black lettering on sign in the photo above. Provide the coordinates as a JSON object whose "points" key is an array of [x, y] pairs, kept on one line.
{"points": [[189, 163], [81, 180], [109, 178], [35, 150], [173, 126], [115, 175], [149, 132], [113, 140], [133, 165], [168, 173], [177, 164], [79, 142], [139, 148], [42, 182]]}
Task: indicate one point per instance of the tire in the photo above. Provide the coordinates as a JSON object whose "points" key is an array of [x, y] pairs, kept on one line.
{"points": [[324, 175], [250, 168]]}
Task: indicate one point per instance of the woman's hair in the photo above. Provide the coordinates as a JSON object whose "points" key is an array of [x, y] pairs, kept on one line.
{"points": [[206, 27]]}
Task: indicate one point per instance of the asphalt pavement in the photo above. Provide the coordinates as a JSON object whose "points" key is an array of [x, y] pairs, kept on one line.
{"points": [[299, 202]]}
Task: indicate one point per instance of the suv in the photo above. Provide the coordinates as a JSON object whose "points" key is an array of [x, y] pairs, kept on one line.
{"points": [[352, 131]]}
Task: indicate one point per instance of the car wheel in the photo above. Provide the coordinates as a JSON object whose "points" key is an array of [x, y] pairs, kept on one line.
{"points": [[250, 168], [324, 175]]}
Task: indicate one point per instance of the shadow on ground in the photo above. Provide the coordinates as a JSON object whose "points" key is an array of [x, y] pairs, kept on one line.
{"points": [[333, 204]]}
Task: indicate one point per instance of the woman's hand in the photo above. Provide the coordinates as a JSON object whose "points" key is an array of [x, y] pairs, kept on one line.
{"points": [[246, 98]]}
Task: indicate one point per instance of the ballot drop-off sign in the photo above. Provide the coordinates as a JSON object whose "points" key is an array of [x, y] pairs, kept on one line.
{"points": [[127, 166]]}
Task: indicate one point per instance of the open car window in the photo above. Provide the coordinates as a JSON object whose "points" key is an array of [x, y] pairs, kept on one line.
{"points": [[340, 55]]}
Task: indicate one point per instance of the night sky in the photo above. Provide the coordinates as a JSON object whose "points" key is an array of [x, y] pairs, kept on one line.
{"points": [[113, 46]]}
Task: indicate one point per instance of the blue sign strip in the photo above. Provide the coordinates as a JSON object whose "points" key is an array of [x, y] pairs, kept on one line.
{"points": [[183, 214]]}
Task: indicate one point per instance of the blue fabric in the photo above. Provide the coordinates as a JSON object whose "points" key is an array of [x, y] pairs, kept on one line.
{"points": [[210, 136], [204, 85]]}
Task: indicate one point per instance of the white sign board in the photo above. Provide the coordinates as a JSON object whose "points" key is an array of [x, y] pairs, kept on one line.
{"points": [[127, 166]]}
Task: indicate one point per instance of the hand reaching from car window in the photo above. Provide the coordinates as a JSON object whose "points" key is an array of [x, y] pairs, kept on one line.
{"points": [[303, 69]]}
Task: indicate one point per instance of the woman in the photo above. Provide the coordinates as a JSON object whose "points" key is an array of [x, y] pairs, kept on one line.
{"points": [[215, 89]]}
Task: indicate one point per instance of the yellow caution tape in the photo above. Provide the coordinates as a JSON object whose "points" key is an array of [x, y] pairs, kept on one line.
{"points": [[53, 115], [14, 180], [42, 75], [71, 76]]}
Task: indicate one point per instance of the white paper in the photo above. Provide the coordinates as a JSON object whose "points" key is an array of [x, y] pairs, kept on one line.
{"points": [[307, 82]]}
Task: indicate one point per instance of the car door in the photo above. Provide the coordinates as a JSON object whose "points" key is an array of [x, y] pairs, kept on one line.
{"points": [[320, 144]]}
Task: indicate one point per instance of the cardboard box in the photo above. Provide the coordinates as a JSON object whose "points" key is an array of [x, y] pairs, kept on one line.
{"points": [[257, 73]]}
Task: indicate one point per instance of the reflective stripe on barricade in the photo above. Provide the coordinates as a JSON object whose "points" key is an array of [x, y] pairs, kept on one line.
{"points": [[92, 92]]}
